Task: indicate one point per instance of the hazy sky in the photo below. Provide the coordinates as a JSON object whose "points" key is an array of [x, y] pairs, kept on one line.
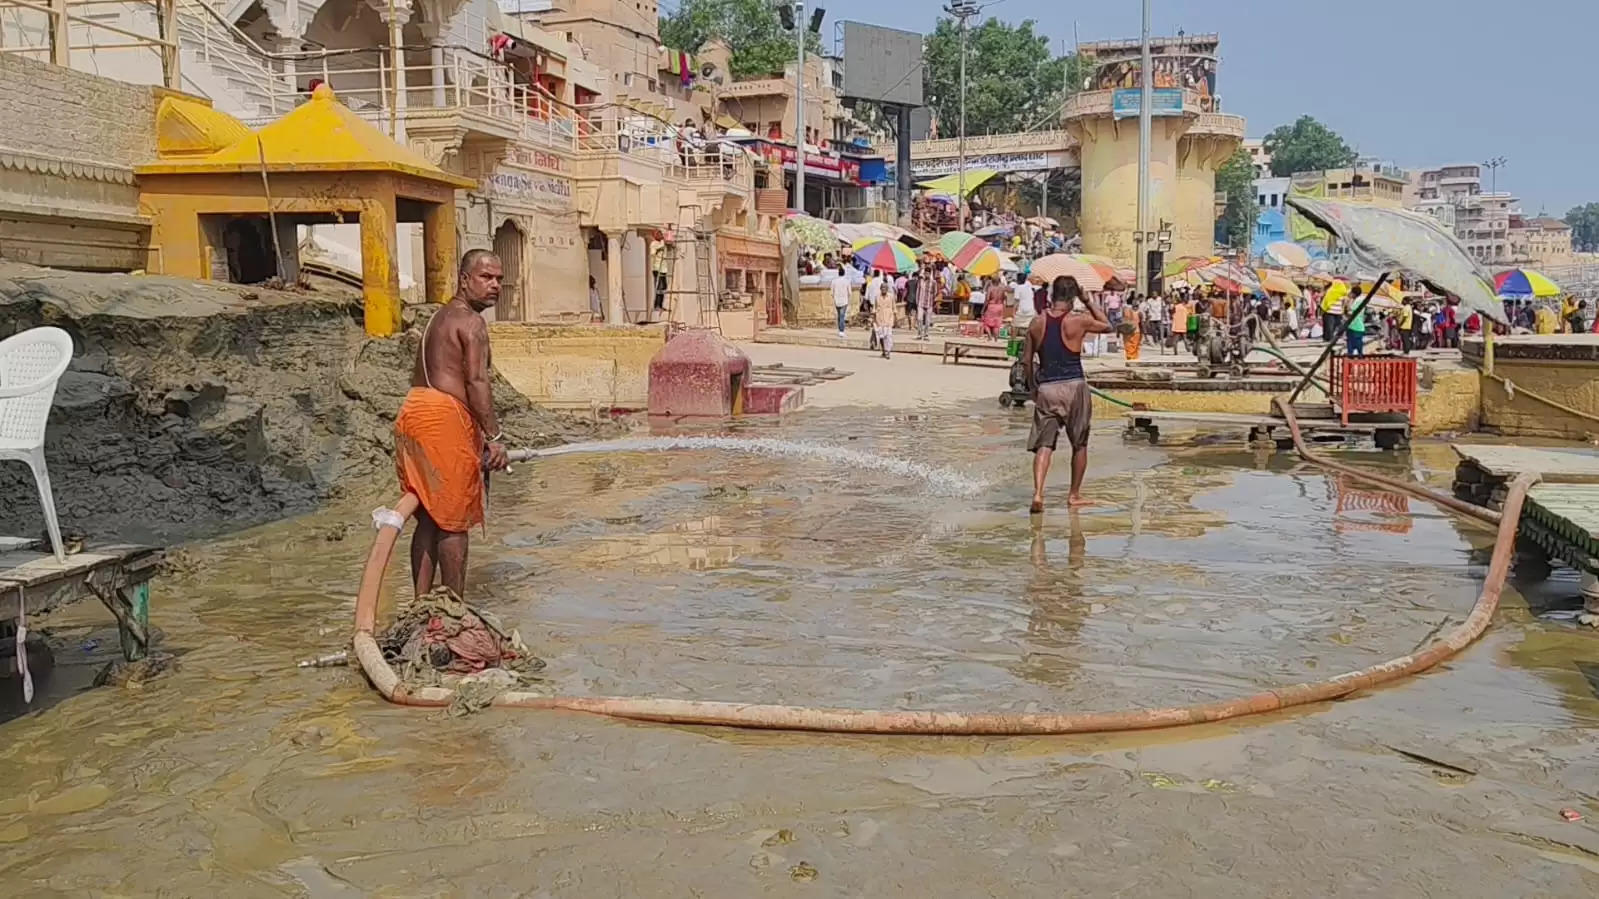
{"points": [[1418, 82]]}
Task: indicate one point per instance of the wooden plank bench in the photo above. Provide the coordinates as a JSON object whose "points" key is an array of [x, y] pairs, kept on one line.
{"points": [[116, 574], [1386, 434], [958, 348]]}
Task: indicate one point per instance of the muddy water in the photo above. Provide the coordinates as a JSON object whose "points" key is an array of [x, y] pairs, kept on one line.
{"points": [[1206, 572]]}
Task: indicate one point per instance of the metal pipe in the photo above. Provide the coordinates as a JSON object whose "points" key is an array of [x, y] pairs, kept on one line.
{"points": [[799, 107], [960, 199], [1141, 240]]}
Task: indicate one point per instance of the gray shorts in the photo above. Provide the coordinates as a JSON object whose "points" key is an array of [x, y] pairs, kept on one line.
{"points": [[1062, 406]]}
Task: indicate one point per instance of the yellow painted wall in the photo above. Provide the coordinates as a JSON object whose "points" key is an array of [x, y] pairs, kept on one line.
{"points": [[815, 307], [1241, 402], [1194, 224], [1451, 405], [1573, 384], [1109, 152], [577, 366]]}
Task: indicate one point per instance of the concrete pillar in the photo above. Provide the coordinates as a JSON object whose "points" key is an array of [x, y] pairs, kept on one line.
{"points": [[439, 252], [436, 59], [291, 74], [379, 273], [288, 245], [60, 34], [613, 278], [395, 19]]}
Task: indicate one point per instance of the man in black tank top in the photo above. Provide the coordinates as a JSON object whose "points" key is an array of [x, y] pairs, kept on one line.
{"points": [[1061, 400]]}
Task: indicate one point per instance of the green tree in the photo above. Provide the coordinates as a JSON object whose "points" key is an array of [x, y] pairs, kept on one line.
{"points": [[1013, 81], [752, 28], [1306, 146], [1236, 178], [1584, 222]]}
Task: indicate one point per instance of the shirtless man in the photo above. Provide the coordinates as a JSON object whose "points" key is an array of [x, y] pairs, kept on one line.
{"points": [[446, 432], [1061, 401]]}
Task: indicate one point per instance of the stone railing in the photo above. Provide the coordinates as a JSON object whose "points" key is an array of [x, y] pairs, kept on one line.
{"points": [[1218, 123], [977, 145]]}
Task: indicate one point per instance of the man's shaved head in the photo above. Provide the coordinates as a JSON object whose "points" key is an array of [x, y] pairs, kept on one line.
{"points": [[479, 279], [471, 258]]}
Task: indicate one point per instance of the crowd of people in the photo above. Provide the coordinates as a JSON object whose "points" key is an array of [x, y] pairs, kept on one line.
{"points": [[1174, 320]]}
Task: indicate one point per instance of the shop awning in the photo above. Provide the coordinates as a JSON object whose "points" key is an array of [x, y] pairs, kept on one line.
{"points": [[950, 184]]}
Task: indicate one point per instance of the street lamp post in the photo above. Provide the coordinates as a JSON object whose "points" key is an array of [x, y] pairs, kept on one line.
{"points": [[962, 10], [1141, 239], [799, 107], [1493, 165]]}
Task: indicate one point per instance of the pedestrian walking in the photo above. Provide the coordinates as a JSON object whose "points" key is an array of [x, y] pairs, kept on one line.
{"points": [[841, 299], [1355, 335], [883, 319], [926, 299]]}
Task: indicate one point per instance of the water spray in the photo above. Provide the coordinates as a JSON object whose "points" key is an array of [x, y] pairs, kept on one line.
{"points": [[943, 481]]}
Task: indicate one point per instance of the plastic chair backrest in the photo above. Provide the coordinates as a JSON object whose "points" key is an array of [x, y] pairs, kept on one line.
{"points": [[31, 363]]}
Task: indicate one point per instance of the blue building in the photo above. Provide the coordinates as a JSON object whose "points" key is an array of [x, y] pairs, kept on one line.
{"points": [[1270, 226]]}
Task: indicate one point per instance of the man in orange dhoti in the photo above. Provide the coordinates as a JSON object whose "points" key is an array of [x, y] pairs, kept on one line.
{"points": [[447, 432]]}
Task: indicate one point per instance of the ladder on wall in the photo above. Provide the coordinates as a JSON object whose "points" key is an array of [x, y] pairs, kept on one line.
{"points": [[705, 293], [705, 283]]}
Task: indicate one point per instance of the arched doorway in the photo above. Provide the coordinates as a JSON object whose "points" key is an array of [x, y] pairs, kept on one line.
{"points": [[508, 243]]}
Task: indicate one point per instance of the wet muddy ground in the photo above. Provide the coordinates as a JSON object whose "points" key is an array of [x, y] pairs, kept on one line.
{"points": [[1208, 572]]}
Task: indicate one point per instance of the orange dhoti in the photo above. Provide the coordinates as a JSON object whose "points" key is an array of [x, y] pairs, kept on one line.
{"points": [[1131, 343], [438, 454]]}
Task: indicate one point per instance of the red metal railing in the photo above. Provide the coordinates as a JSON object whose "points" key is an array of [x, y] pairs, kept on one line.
{"points": [[1374, 384]]}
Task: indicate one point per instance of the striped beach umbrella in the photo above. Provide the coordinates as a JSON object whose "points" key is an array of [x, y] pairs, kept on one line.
{"points": [[887, 255], [1524, 283], [1053, 266], [969, 253]]}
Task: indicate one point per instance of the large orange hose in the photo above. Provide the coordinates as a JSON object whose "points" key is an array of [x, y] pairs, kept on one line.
{"points": [[865, 721]]}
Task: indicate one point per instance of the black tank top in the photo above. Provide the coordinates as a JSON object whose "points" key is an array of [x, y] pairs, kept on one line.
{"points": [[1057, 362]]}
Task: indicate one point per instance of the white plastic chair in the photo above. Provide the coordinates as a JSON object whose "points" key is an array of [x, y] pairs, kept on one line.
{"points": [[30, 365]]}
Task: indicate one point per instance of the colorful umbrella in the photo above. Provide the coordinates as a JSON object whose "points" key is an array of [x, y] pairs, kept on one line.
{"points": [[969, 253], [811, 232], [887, 255], [1103, 267], [1053, 266], [1393, 240], [1184, 264], [1229, 276], [1522, 283], [1276, 282], [1287, 254]]}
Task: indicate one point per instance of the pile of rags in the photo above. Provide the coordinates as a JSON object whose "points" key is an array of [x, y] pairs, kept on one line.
{"points": [[439, 640]]}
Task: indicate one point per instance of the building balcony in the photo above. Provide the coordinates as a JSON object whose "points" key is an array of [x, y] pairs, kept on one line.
{"points": [[633, 171], [458, 94]]}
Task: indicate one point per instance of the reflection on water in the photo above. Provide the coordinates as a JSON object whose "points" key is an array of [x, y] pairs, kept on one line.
{"points": [[801, 577]]}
